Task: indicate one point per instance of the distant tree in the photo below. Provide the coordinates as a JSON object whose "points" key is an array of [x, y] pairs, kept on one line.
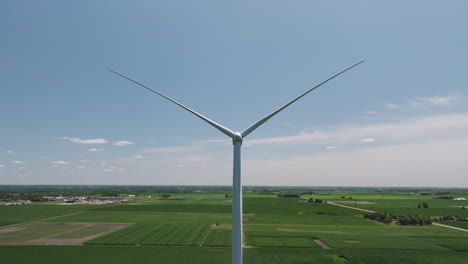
{"points": [[419, 205], [387, 219], [444, 197], [288, 195], [425, 205]]}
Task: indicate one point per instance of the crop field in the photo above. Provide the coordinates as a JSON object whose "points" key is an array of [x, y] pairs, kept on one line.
{"points": [[145, 217], [20, 214], [218, 237], [54, 233], [156, 234], [195, 228], [168, 207], [181, 234], [402, 203]]}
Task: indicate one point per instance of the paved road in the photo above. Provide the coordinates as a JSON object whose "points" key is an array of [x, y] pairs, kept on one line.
{"points": [[452, 227], [345, 206]]}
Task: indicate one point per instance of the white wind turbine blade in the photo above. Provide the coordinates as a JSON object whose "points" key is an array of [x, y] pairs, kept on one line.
{"points": [[221, 128], [263, 120]]}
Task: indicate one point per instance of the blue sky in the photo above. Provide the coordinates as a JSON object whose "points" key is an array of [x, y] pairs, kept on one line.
{"points": [[399, 119]]}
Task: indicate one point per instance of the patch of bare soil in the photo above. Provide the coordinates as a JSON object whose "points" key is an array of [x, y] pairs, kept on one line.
{"points": [[10, 229], [50, 240], [322, 244], [460, 206]]}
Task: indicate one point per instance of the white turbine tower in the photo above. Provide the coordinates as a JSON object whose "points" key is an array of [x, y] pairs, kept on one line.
{"points": [[237, 138]]}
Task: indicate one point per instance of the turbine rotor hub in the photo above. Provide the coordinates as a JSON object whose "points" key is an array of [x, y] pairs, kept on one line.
{"points": [[237, 138]]}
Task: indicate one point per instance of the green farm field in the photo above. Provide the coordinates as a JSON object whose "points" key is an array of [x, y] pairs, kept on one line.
{"points": [[195, 228]]}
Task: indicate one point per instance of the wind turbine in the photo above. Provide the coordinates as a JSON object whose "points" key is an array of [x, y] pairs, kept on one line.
{"points": [[237, 138]]}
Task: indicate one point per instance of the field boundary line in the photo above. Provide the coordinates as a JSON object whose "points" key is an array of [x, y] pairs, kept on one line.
{"points": [[452, 227], [54, 217], [349, 207], [203, 241], [40, 220]]}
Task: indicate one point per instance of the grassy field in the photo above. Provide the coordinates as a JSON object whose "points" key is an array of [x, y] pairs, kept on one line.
{"points": [[195, 228], [203, 255], [26, 213]]}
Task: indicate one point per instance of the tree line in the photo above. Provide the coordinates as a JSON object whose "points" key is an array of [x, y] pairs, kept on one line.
{"points": [[399, 219]]}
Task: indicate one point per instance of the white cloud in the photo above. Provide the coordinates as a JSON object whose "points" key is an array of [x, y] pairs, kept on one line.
{"points": [[138, 156], [1, 165], [17, 162], [331, 147], [86, 141], [180, 165], [95, 150], [80, 167], [367, 140], [9, 151], [59, 162], [122, 143], [408, 130], [176, 149], [432, 101], [392, 106], [113, 169], [21, 168]]}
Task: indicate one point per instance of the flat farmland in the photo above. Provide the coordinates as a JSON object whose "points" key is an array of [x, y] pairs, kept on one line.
{"points": [[156, 234], [218, 237], [204, 255], [182, 234], [54, 233], [26, 213], [195, 228], [145, 217], [187, 198], [168, 206], [437, 207]]}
